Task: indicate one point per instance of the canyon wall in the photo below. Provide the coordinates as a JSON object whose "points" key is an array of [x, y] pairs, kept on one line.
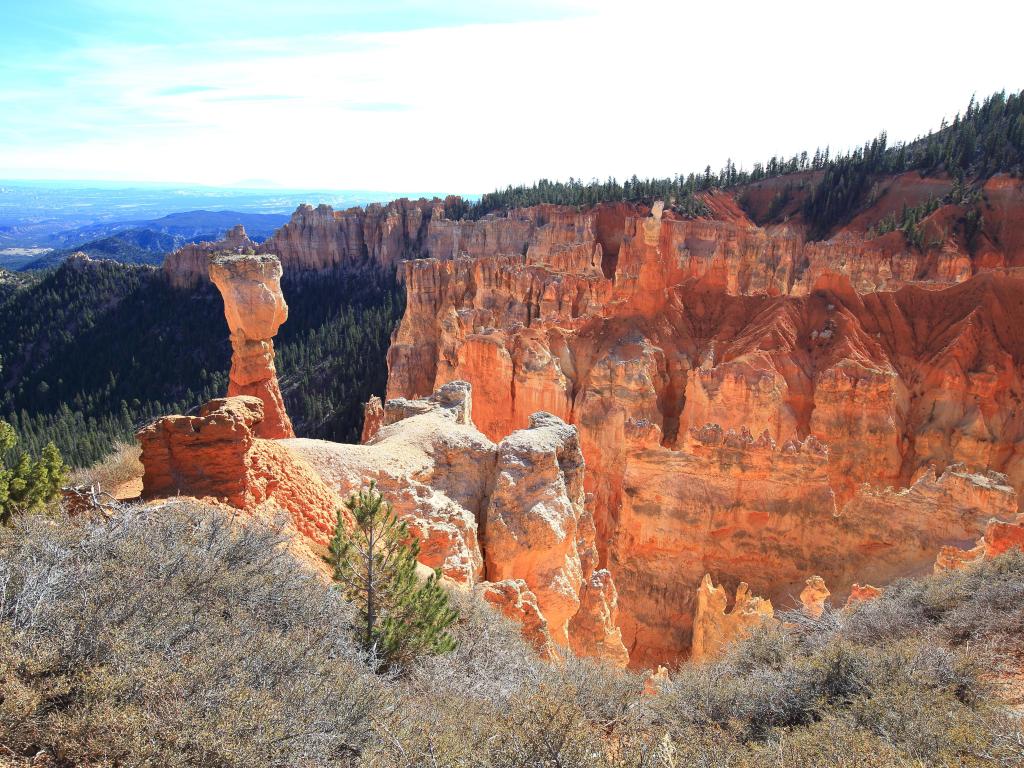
{"points": [[384, 236], [749, 405]]}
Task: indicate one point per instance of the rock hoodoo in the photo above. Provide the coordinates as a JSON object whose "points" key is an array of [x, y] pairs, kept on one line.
{"points": [[254, 308], [714, 627], [814, 595]]}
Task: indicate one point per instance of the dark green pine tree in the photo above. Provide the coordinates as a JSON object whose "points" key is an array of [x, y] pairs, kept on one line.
{"points": [[28, 485], [400, 616]]}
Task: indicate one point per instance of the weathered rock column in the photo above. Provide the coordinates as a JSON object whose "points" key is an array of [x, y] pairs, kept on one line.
{"points": [[254, 308]]}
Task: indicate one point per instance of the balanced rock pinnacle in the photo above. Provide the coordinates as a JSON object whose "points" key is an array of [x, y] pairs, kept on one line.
{"points": [[254, 308]]}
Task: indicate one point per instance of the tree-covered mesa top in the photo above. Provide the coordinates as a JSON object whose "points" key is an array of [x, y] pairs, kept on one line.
{"points": [[987, 138]]}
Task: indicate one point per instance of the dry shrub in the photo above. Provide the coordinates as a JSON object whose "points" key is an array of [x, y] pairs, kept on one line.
{"points": [[122, 465], [178, 636], [174, 636], [492, 702], [982, 603]]}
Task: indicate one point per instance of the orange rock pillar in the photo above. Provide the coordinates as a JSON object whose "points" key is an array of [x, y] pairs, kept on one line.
{"points": [[254, 308]]}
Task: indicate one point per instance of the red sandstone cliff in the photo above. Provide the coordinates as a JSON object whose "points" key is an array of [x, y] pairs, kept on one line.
{"points": [[749, 404]]}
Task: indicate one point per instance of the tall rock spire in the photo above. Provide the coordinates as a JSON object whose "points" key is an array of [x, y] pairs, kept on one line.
{"points": [[254, 308]]}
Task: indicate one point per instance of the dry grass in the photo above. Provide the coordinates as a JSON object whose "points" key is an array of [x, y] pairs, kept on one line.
{"points": [[117, 474]]}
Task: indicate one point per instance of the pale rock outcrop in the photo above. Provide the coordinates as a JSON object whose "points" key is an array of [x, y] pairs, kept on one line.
{"points": [[373, 418], [714, 628], [509, 518], [813, 596], [431, 464], [254, 308], [532, 516], [189, 266], [515, 601], [442, 476], [594, 630]]}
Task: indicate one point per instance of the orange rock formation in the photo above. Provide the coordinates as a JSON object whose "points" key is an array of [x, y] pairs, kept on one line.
{"points": [[999, 537], [511, 513], [714, 627], [255, 308], [461, 495], [515, 600], [749, 404], [218, 454], [814, 595], [862, 594]]}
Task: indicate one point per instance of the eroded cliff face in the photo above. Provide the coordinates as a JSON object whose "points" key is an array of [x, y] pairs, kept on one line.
{"points": [[508, 520], [383, 236], [748, 404]]}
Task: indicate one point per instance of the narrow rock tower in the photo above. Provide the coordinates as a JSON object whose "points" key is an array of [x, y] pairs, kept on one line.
{"points": [[254, 308]]}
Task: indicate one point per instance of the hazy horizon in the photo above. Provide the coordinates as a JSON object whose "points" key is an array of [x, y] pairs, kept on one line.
{"points": [[399, 96]]}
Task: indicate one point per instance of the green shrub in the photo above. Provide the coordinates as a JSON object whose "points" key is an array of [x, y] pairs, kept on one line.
{"points": [[375, 565], [26, 484]]}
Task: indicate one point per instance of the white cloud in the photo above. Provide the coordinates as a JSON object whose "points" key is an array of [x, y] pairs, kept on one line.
{"points": [[652, 88]]}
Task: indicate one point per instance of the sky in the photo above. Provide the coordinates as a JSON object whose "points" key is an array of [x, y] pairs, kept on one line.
{"points": [[464, 97]]}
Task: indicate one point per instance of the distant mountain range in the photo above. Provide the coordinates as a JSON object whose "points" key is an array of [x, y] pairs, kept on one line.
{"points": [[41, 222], [32, 213], [146, 242], [189, 226]]}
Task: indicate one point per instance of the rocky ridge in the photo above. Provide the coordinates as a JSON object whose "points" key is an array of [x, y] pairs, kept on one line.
{"points": [[510, 520]]}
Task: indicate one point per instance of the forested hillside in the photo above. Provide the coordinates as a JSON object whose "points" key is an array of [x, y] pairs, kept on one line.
{"points": [[92, 350]]}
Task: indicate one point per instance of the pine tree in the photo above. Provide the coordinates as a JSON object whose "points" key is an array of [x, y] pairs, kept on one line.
{"points": [[374, 564], [27, 485]]}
